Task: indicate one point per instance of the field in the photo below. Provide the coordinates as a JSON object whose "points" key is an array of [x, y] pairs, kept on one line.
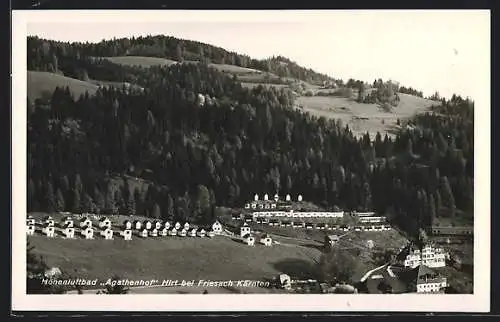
{"points": [[363, 118], [41, 84], [140, 61]]}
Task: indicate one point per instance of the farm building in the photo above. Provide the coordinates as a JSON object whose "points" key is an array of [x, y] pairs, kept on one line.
{"points": [[211, 234], [88, 232], [127, 224], [182, 233], [157, 224], [309, 225], [164, 231], [67, 222], [297, 224], [85, 222], [126, 234], [321, 226], [30, 221], [48, 221], [30, 230], [249, 240], [107, 233], [166, 225], [104, 222], [173, 232], [285, 281], [49, 231], [192, 232], [266, 240], [358, 228], [144, 233], [69, 232], [177, 225], [153, 232], [201, 233], [147, 224], [363, 214], [186, 226], [429, 281], [137, 224], [217, 227], [244, 230]]}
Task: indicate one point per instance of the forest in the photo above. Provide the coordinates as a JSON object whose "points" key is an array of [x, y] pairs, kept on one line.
{"points": [[197, 154]]}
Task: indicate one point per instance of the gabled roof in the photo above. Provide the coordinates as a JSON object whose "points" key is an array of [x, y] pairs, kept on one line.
{"points": [[67, 225], [103, 219]]}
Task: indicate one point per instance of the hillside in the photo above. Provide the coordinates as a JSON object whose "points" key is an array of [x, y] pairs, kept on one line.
{"points": [[140, 61], [43, 84]]}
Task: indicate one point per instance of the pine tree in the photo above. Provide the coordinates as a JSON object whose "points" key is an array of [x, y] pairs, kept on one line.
{"points": [[59, 203], [31, 195], [87, 203], [448, 198], [76, 201], [170, 214], [100, 203], [156, 212], [49, 197], [131, 205]]}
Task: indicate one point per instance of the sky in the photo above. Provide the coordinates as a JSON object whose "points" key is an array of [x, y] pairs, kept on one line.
{"points": [[444, 51]]}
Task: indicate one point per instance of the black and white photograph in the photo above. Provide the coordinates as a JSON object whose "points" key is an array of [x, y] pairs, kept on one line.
{"points": [[327, 158]]}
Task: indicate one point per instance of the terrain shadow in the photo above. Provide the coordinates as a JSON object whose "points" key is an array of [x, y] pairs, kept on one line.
{"points": [[297, 268]]}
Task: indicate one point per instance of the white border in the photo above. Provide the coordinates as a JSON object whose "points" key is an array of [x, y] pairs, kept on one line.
{"points": [[478, 302]]}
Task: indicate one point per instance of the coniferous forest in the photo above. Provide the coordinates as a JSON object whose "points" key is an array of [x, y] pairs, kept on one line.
{"points": [[198, 140]]}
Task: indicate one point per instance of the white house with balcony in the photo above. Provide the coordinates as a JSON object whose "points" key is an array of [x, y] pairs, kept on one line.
{"points": [[429, 256], [429, 281]]}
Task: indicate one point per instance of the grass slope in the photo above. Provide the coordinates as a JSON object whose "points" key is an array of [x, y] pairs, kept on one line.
{"points": [[219, 258], [140, 61], [363, 118], [41, 84]]}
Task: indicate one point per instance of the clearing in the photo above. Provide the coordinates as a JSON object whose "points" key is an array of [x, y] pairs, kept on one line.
{"points": [[43, 84], [141, 61]]}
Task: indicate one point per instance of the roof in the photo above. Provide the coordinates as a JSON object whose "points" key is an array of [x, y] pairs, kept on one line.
{"points": [[67, 226], [427, 275], [399, 280], [104, 219]]}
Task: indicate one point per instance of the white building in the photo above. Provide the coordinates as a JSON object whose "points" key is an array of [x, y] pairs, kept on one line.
{"points": [[201, 233], [429, 281], [166, 225], [256, 197], [186, 226], [266, 197], [217, 227], [157, 224], [126, 234], [192, 232], [144, 233], [127, 224], [69, 232], [182, 233], [67, 222], [30, 230], [288, 198], [244, 230], [30, 221], [137, 224], [249, 240], [153, 232], [266, 240], [299, 198], [49, 221], [147, 224], [164, 232], [177, 225], [210, 234], [372, 219], [173, 232], [49, 231], [107, 233], [276, 197], [428, 256], [85, 222], [104, 222], [88, 232]]}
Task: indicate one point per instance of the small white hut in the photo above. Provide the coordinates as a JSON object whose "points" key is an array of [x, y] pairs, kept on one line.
{"points": [[256, 197], [49, 231], [166, 225], [182, 233], [30, 221], [49, 221], [143, 233], [299, 198], [276, 197], [192, 232], [177, 225], [88, 232], [186, 226], [244, 230], [217, 227], [126, 234], [30, 230], [104, 222], [69, 232], [137, 224], [157, 224], [266, 240], [153, 232], [67, 222], [288, 198], [107, 233], [266, 197], [85, 222], [201, 233], [147, 224], [249, 240], [127, 224], [164, 232], [211, 234]]}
